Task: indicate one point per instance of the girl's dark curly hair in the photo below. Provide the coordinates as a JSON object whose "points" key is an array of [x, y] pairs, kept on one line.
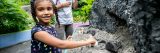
{"points": [[33, 11]]}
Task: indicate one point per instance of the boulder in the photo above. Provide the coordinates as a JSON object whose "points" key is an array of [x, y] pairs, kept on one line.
{"points": [[140, 17]]}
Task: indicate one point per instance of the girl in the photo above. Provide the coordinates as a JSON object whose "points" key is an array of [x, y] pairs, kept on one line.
{"points": [[43, 35]]}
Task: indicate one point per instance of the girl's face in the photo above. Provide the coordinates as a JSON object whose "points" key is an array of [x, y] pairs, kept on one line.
{"points": [[44, 11]]}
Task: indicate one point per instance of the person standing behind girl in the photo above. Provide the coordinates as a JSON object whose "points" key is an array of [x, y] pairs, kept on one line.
{"points": [[65, 17], [44, 35]]}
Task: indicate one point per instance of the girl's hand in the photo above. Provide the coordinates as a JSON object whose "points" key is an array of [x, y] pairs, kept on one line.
{"points": [[92, 40], [69, 37], [66, 4]]}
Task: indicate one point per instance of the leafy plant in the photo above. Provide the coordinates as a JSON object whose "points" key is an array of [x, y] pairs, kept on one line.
{"points": [[12, 17], [84, 11], [81, 3], [22, 2], [77, 15], [53, 20]]}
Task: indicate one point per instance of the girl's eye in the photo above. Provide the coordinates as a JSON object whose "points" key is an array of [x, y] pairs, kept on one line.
{"points": [[49, 8], [40, 9]]}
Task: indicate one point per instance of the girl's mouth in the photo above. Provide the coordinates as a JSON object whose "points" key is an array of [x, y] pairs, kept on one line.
{"points": [[46, 17]]}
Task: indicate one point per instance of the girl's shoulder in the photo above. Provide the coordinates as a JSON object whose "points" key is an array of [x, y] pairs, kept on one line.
{"points": [[41, 27], [36, 27]]}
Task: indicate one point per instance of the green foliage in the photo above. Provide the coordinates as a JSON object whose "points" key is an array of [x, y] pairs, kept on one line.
{"points": [[22, 2], [81, 3], [78, 17], [12, 17], [53, 20], [85, 10]]}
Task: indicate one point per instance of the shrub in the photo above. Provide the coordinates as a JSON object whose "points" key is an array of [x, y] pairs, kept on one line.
{"points": [[12, 17], [22, 2], [81, 3], [77, 15], [85, 8]]}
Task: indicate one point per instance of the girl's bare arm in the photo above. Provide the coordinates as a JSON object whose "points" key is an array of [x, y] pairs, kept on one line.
{"points": [[53, 41]]}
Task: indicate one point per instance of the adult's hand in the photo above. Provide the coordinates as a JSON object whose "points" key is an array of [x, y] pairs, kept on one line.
{"points": [[66, 4]]}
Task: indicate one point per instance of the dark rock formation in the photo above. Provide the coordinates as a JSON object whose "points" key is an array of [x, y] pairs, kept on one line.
{"points": [[141, 17]]}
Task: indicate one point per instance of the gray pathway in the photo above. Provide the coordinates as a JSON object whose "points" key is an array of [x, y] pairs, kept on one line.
{"points": [[19, 48]]}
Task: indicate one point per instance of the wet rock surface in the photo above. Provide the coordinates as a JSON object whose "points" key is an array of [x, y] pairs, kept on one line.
{"points": [[140, 17], [119, 42]]}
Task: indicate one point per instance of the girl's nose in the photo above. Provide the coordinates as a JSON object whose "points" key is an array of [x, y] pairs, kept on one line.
{"points": [[46, 12]]}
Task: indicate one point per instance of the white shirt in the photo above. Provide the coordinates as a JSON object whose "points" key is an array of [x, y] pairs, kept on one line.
{"points": [[65, 14]]}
